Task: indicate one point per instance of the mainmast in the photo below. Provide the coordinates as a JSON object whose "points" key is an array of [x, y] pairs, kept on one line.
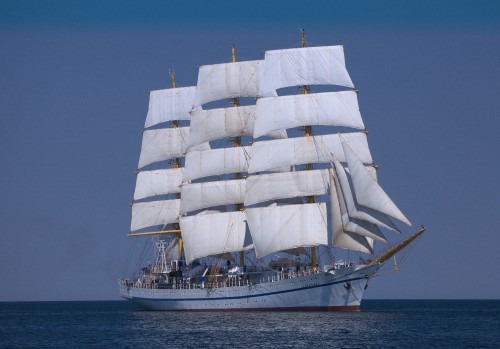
{"points": [[308, 133], [237, 143], [177, 164]]}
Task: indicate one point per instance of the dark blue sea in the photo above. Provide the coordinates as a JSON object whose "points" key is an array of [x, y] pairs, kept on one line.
{"points": [[380, 324]]}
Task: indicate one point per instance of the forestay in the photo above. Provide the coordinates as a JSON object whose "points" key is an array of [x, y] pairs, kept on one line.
{"points": [[277, 228], [158, 182], [164, 144], [368, 191], [196, 196], [331, 108], [275, 154], [212, 124], [229, 80], [305, 66], [215, 162], [153, 213], [215, 233], [274, 186], [169, 104]]}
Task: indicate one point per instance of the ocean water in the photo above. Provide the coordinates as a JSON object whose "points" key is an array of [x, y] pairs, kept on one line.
{"points": [[380, 324]]}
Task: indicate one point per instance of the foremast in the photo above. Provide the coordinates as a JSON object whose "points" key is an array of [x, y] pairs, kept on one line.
{"points": [[157, 195], [177, 164]]}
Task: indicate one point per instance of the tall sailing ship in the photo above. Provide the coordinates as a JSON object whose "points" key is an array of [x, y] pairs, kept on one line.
{"points": [[250, 205]]}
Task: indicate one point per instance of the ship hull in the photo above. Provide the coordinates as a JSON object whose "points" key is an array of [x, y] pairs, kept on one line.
{"points": [[326, 291]]}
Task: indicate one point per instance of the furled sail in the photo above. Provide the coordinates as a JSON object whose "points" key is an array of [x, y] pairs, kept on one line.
{"points": [[229, 80], [153, 213], [274, 186], [275, 154], [169, 104], [277, 228], [158, 182], [305, 66], [331, 108], [215, 162], [214, 233], [212, 124], [164, 144], [196, 196], [368, 191]]}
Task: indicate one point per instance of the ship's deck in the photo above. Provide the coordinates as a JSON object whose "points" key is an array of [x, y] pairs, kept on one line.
{"points": [[159, 281]]}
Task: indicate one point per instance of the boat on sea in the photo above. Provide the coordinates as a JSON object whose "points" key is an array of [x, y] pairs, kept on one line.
{"points": [[251, 185]]}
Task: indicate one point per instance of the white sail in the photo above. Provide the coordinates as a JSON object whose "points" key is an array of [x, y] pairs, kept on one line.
{"points": [[158, 182], [305, 66], [211, 234], [368, 191], [164, 144], [152, 213], [215, 162], [196, 196], [354, 242], [273, 186], [340, 237], [353, 225], [229, 80], [277, 228], [212, 124], [372, 171], [331, 108], [274, 154], [354, 209], [363, 228], [169, 104]]}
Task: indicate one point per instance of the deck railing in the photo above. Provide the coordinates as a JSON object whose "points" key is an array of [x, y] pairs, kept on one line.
{"points": [[215, 281]]}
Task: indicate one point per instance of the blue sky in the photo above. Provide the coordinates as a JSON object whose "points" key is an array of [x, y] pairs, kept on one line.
{"points": [[157, 13], [75, 78]]}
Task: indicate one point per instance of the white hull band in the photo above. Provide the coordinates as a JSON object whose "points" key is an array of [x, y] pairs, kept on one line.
{"points": [[318, 291]]}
